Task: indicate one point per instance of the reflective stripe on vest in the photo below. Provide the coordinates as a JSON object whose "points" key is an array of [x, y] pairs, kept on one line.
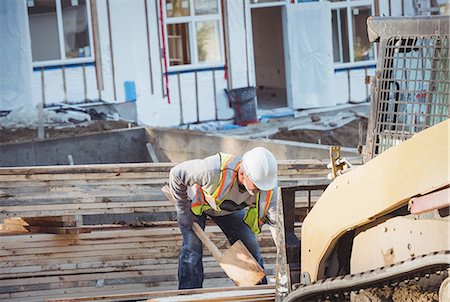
{"points": [[229, 167], [255, 216]]}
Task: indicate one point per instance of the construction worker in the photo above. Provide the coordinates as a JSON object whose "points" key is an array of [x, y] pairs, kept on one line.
{"points": [[239, 195]]}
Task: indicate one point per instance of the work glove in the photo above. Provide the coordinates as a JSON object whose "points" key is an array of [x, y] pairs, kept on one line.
{"points": [[185, 217]]}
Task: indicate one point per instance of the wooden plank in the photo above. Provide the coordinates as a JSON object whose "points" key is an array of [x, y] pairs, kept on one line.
{"points": [[86, 205], [58, 230], [73, 176], [227, 295], [85, 182], [57, 200], [57, 252], [73, 189], [159, 294], [107, 279], [143, 167], [44, 254], [149, 233], [157, 272], [107, 289], [152, 153], [89, 272], [87, 211], [93, 168], [292, 165], [8, 228]]}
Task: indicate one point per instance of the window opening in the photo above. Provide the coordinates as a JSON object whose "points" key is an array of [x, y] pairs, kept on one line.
{"points": [[194, 30], [60, 32], [350, 40]]}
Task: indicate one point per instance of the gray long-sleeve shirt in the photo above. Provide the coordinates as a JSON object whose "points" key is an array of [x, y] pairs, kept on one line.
{"points": [[206, 173]]}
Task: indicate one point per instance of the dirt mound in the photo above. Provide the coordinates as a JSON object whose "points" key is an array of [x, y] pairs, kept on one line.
{"points": [[346, 136], [31, 134]]}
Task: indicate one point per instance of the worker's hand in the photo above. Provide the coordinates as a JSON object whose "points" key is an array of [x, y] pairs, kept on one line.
{"points": [[185, 218]]}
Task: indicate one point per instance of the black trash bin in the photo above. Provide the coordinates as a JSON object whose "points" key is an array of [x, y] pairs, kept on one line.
{"points": [[243, 103]]}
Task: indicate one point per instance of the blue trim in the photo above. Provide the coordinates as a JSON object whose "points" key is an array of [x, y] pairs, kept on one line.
{"points": [[355, 67], [74, 65], [196, 70], [130, 91]]}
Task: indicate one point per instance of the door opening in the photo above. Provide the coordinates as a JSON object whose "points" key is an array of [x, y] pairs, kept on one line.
{"points": [[268, 48]]}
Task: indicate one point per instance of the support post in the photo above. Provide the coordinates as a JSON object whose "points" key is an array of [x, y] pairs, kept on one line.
{"points": [[282, 273], [292, 242]]}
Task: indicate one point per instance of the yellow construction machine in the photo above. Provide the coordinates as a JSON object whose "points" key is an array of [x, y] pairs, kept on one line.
{"points": [[382, 230]]}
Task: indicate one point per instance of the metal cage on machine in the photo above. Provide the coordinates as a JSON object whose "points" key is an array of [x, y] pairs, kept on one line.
{"points": [[411, 87]]}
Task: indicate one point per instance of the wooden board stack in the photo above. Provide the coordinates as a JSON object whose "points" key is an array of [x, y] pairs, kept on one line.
{"points": [[246, 293], [47, 252]]}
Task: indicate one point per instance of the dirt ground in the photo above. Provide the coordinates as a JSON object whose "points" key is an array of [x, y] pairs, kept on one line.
{"points": [[30, 134], [346, 136]]}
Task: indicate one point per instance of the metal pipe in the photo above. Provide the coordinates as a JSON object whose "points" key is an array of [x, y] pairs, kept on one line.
{"points": [[225, 42], [367, 85], [196, 97], [63, 70], [159, 47], [84, 81], [349, 86], [165, 71], [180, 98], [215, 95], [246, 44], [111, 49], [97, 50], [148, 48], [41, 131]]}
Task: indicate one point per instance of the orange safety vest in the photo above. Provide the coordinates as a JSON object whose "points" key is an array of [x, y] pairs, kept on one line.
{"points": [[202, 200]]}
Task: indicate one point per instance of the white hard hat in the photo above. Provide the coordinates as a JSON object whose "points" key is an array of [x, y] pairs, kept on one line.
{"points": [[261, 167]]}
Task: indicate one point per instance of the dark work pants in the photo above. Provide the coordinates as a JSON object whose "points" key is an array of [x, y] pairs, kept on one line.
{"points": [[190, 265]]}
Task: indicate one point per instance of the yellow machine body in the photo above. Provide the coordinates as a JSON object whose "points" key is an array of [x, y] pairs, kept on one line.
{"points": [[415, 167]]}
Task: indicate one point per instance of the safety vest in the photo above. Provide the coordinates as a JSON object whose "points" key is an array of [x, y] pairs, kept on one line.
{"points": [[202, 200]]}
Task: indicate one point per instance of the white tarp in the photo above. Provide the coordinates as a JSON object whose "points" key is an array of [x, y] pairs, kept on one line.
{"points": [[15, 56], [310, 60]]}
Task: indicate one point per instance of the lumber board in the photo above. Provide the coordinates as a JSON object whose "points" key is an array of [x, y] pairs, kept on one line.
{"points": [[80, 190], [160, 294], [157, 182], [135, 167], [81, 176], [143, 167], [257, 295], [12, 228], [94, 294], [89, 211], [106, 277]]}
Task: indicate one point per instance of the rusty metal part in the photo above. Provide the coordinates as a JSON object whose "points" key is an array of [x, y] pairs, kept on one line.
{"points": [[337, 164], [433, 201], [333, 288]]}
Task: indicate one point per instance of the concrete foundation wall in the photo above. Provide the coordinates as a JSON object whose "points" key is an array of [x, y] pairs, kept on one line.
{"points": [[177, 145], [119, 146], [129, 146]]}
